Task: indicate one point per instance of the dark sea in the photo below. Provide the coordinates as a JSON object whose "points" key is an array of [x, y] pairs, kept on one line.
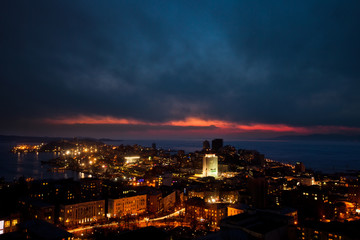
{"points": [[15, 165], [327, 157]]}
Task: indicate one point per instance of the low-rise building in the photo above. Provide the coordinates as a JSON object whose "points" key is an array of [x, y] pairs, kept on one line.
{"points": [[236, 209], [9, 223], [169, 201], [127, 205], [306, 180], [197, 209], [80, 213]]}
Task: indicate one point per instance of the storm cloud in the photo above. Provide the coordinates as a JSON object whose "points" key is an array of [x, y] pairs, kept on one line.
{"points": [[246, 62]]}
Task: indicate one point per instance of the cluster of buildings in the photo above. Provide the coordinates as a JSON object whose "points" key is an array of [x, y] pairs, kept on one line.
{"points": [[237, 192], [72, 203]]}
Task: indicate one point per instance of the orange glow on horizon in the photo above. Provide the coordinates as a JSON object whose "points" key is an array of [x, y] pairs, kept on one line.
{"points": [[94, 120], [273, 128], [225, 126], [198, 122]]}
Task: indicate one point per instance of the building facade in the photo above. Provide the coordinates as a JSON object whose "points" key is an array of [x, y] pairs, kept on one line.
{"points": [[155, 202], [39, 210], [210, 165], [9, 223], [198, 210], [90, 188], [236, 209], [127, 205], [80, 213], [169, 201]]}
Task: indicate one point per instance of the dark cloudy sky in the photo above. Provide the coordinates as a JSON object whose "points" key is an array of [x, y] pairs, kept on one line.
{"points": [[167, 69]]}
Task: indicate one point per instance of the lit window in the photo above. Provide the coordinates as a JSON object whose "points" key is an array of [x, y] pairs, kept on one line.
{"points": [[7, 224]]}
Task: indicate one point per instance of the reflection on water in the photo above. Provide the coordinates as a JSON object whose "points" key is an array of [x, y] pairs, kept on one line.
{"points": [[37, 164], [29, 165], [19, 168]]}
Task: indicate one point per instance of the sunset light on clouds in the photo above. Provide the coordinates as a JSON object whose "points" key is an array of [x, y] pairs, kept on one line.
{"points": [[121, 69], [200, 125]]}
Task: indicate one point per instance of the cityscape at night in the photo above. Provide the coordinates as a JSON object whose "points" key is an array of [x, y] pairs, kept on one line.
{"points": [[170, 120]]}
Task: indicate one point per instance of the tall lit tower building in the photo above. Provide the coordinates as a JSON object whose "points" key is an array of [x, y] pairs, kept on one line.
{"points": [[210, 165]]}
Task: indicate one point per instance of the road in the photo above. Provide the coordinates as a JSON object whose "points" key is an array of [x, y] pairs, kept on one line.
{"points": [[177, 213], [174, 214]]}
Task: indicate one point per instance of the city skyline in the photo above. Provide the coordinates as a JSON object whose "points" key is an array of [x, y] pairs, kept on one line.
{"points": [[167, 70]]}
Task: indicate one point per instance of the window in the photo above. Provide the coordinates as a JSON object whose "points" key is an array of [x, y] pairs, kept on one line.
{"points": [[7, 224]]}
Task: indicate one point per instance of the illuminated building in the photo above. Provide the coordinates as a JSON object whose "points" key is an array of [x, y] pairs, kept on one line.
{"points": [[314, 193], [195, 193], [131, 159], [230, 196], [344, 210], [208, 196], [197, 209], [236, 209], [9, 223], [80, 213], [127, 205], [210, 165], [306, 180], [156, 181]]}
